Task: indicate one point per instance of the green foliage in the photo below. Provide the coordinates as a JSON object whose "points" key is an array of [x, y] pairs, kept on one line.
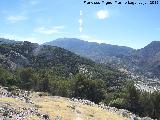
{"points": [[118, 103], [155, 98], [94, 90], [7, 78], [146, 103], [136, 101], [61, 88], [80, 86], [142, 103], [26, 77], [3, 76], [43, 82], [150, 105], [132, 97]]}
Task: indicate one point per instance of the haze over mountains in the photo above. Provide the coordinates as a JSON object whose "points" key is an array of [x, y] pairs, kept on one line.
{"points": [[145, 60]]}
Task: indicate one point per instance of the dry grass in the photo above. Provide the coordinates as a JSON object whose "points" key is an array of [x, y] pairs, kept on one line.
{"points": [[12, 102], [33, 118], [55, 107], [61, 107], [58, 106]]}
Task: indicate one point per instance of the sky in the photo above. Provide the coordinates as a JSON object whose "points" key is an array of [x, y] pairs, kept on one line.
{"points": [[40, 21]]}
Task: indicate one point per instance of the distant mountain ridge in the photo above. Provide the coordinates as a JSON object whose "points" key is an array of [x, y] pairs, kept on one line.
{"points": [[8, 41], [146, 60], [93, 50]]}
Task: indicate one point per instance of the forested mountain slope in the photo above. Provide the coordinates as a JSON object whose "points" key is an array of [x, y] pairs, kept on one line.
{"points": [[60, 61], [145, 60]]}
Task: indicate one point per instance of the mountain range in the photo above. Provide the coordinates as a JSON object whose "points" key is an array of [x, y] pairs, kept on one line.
{"points": [[142, 61]]}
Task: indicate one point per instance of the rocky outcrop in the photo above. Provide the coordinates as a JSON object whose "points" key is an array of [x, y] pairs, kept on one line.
{"points": [[7, 112]]}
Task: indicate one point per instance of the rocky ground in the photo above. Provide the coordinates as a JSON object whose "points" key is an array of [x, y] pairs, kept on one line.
{"points": [[26, 105]]}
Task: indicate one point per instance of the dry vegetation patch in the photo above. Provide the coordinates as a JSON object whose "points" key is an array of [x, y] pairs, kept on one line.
{"points": [[68, 110]]}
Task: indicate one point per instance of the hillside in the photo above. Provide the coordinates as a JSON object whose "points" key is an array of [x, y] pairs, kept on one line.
{"points": [[27, 105], [53, 69], [64, 62], [145, 60], [149, 57]]}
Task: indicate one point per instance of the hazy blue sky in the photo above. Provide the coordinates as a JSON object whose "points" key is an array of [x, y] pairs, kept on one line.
{"points": [[45, 20]]}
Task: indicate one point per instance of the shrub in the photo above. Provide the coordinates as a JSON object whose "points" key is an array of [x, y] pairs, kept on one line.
{"points": [[118, 103]]}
